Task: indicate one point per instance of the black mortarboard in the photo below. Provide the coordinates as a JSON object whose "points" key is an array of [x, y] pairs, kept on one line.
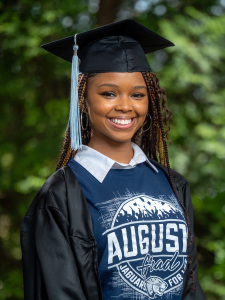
{"points": [[116, 47]]}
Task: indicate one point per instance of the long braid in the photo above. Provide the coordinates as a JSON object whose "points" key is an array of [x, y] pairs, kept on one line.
{"points": [[152, 146], [162, 95], [150, 80], [65, 148], [83, 109], [161, 159]]}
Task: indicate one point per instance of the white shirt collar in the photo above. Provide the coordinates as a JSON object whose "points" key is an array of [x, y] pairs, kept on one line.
{"points": [[99, 164]]}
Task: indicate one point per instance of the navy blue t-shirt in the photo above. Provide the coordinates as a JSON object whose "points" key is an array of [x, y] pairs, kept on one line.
{"points": [[140, 230]]}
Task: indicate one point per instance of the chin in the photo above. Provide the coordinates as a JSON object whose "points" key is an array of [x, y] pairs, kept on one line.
{"points": [[121, 139]]}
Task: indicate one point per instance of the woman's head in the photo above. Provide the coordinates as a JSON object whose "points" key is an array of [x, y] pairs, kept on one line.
{"points": [[112, 98]]}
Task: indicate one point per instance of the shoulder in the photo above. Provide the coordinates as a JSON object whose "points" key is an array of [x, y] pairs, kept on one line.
{"points": [[53, 193], [178, 179]]}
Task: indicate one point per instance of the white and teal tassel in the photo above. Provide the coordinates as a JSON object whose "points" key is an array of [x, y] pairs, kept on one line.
{"points": [[74, 117]]}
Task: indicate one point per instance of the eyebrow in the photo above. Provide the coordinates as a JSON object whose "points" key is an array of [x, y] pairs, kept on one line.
{"points": [[139, 87], [115, 85]]}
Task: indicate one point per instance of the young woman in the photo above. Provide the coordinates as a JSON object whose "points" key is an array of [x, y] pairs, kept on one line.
{"points": [[114, 221]]}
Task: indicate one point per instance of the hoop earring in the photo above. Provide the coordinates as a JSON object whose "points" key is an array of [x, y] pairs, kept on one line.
{"points": [[86, 122], [149, 126]]}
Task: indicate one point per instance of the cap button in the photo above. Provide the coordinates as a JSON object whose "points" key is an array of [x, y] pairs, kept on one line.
{"points": [[75, 48]]}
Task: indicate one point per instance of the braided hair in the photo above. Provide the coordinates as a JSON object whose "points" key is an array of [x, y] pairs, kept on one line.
{"points": [[151, 141]]}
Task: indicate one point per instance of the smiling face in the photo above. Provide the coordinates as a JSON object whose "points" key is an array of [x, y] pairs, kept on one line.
{"points": [[117, 105]]}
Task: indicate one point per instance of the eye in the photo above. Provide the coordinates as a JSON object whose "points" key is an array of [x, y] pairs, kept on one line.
{"points": [[138, 95], [108, 94]]}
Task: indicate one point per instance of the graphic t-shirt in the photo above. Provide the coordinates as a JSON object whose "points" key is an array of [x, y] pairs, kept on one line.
{"points": [[140, 230]]}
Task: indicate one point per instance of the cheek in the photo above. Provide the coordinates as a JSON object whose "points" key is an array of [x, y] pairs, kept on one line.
{"points": [[142, 108], [98, 109]]}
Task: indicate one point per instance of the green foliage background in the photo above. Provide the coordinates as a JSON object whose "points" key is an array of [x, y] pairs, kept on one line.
{"points": [[34, 93]]}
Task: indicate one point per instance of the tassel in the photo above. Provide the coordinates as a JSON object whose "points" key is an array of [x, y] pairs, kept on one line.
{"points": [[74, 117]]}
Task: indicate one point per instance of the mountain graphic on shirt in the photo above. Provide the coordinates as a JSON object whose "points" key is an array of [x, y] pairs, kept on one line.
{"points": [[146, 208]]}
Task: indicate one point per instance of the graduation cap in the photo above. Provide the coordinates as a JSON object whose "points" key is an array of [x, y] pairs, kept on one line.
{"points": [[116, 47]]}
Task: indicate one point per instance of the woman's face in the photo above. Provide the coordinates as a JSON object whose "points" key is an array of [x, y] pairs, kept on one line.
{"points": [[117, 105]]}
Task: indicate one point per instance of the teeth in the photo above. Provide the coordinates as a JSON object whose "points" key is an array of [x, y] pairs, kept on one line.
{"points": [[119, 121]]}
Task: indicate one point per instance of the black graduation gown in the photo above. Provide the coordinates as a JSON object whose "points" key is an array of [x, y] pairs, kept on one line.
{"points": [[59, 250]]}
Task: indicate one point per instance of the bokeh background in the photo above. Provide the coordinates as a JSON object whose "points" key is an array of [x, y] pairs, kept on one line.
{"points": [[34, 91]]}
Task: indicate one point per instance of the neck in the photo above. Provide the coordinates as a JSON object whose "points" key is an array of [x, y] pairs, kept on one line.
{"points": [[121, 152]]}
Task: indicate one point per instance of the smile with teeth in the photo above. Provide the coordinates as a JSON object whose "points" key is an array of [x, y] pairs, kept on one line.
{"points": [[121, 121]]}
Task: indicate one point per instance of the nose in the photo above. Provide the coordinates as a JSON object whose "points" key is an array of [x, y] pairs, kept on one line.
{"points": [[124, 104]]}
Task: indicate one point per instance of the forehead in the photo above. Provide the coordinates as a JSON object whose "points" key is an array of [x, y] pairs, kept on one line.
{"points": [[119, 78]]}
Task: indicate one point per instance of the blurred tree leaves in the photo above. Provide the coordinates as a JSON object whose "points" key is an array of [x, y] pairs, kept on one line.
{"points": [[34, 95]]}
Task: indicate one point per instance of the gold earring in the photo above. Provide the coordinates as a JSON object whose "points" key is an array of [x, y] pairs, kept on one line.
{"points": [[86, 121]]}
